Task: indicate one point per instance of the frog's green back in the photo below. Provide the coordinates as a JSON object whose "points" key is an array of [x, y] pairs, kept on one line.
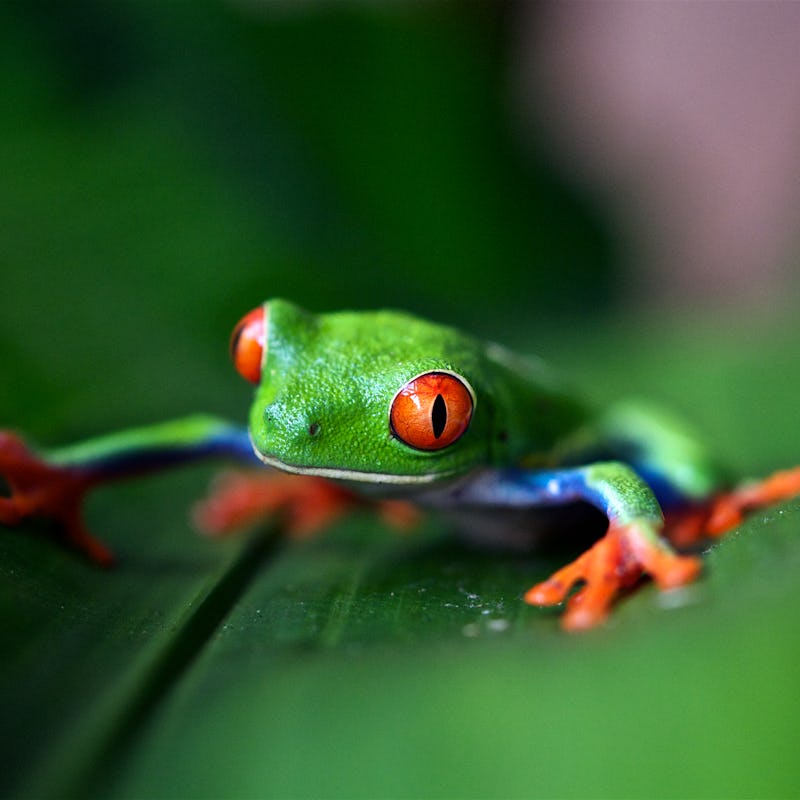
{"points": [[328, 381], [534, 411]]}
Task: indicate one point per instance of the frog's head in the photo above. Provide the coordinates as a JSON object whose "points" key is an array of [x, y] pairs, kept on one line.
{"points": [[380, 397]]}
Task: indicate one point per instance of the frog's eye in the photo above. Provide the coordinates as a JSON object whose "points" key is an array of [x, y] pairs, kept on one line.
{"points": [[248, 343], [432, 410]]}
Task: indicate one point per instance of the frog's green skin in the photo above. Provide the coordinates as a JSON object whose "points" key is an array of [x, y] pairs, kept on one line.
{"points": [[322, 408], [327, 382], [339, 372]]}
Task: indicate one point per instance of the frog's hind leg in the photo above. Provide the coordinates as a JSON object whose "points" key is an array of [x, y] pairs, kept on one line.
{"points": [[671, 460], [692, 490], [728, 509], [692, 525], [664, 452]]}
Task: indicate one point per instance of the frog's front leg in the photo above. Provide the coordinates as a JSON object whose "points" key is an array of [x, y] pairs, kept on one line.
{"points": [[53, 484], [304, 504], [631, 548], [40, 489]]}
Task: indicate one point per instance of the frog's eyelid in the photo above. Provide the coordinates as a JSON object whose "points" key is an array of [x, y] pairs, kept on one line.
{"points": [[249, 345]]}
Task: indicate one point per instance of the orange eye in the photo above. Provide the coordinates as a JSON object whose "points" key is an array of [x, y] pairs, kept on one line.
{"points": [[431, 411], [248, 342]]}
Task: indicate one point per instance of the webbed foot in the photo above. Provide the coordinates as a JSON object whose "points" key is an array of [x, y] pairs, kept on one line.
{"points": [[696, 524], [41, 490], [627, 553], [305, 505], [239, 500], [728, 510]]}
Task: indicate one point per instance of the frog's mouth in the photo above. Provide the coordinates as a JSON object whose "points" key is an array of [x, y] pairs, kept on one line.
{"points": [[357, 476]]}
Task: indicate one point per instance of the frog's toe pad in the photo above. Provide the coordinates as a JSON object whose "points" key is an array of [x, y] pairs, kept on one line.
{"points": [[678, 571], [547, 593]]}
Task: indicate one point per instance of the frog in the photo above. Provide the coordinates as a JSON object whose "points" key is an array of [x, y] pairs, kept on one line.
{"points": [[387, 410]]}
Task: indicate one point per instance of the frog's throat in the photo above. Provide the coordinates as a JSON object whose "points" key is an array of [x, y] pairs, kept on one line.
{"points": [[336, 474]]}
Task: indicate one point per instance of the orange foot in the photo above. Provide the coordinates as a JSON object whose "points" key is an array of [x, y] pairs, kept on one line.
{"points": [[41, 490], [692, 526], [615, 563], [305, 505], [728, 510]]}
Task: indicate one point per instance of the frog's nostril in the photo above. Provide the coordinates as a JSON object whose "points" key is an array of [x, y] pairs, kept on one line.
{"points": [[313, 429], [270, 416]]}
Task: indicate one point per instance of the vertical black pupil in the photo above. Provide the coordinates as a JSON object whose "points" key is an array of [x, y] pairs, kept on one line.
{"points": [[438, 416]]}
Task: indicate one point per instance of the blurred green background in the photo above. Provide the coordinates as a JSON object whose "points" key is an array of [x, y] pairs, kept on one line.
{"points": [[167, 166]]}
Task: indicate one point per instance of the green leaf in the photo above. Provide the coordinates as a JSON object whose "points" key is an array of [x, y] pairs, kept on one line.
{"points": [[363, 664]]}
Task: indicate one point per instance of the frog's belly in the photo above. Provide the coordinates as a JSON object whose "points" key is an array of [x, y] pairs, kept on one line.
{"points": [[575, 524]]}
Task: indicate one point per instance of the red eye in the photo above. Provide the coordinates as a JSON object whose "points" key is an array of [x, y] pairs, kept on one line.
{"points": [[431, 411], [248, 342]]}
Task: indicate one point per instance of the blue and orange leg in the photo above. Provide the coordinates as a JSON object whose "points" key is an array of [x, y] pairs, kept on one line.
{"points": [[39, 489], [52, 485], [638, 543], [632, 548]]}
